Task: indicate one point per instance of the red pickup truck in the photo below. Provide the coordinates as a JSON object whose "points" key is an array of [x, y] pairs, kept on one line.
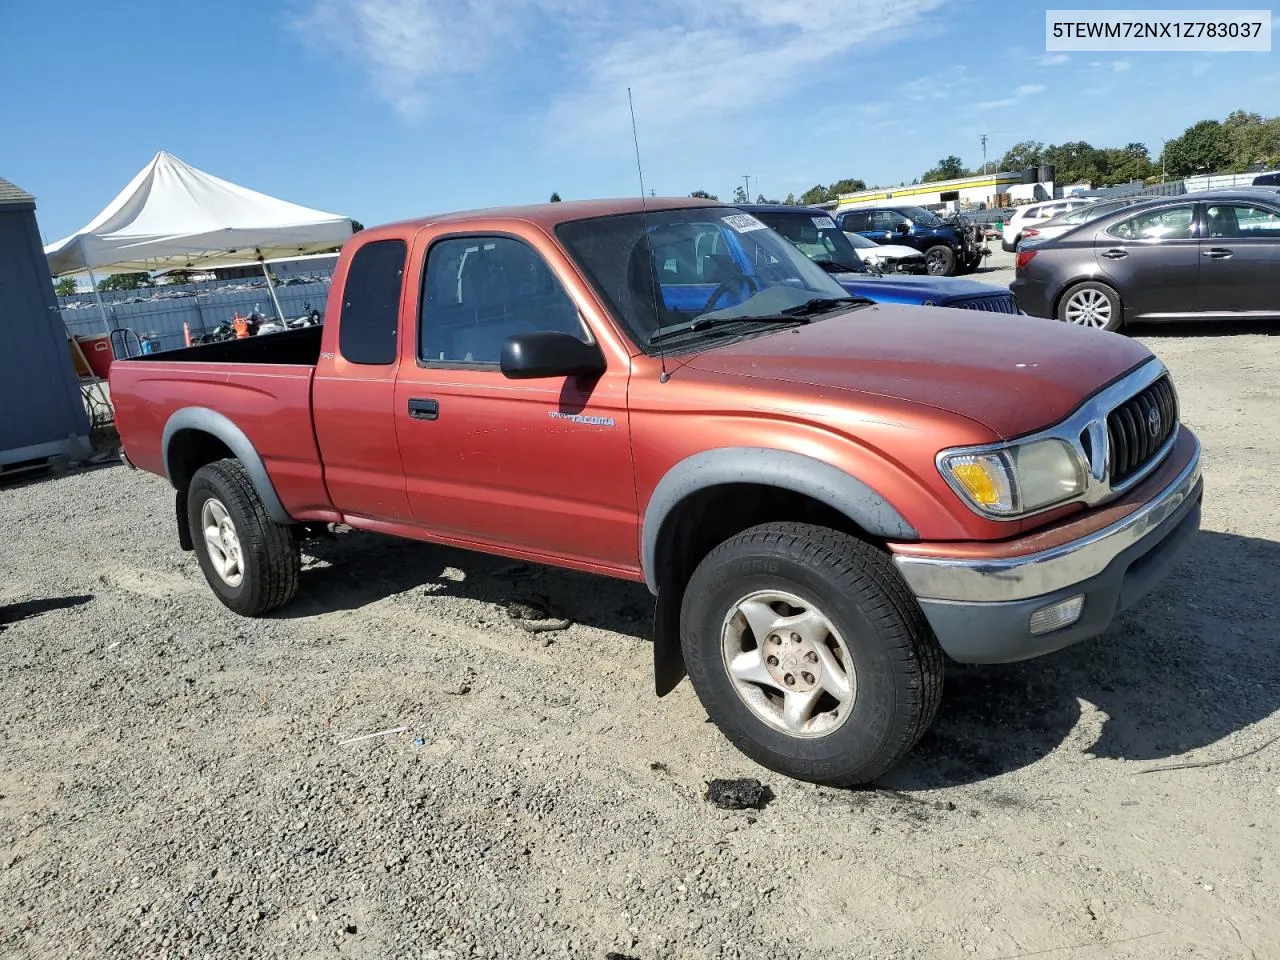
{"points": [[825, 495]]}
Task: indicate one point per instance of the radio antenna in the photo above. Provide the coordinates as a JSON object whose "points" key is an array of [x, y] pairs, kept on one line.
{"points": [[648, 243]]}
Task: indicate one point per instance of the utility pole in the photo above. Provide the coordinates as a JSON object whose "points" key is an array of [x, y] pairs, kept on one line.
{"points": [[983, 138], [1163, 144], [746, 179]]}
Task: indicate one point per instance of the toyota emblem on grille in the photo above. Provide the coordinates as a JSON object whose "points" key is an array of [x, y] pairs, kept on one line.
{"points": [[1153, 421]]}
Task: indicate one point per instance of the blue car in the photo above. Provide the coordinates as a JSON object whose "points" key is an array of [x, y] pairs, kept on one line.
{"points": [[817, 236]]}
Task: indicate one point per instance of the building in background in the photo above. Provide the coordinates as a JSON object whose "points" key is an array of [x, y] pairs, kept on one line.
{"points": [[43, 410], [983, 191]]}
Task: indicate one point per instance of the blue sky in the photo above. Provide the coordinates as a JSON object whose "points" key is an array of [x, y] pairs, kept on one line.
{"points": [[382, 109]]}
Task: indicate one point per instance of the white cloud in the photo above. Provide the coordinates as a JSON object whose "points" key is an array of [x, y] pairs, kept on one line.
{"points": [[687, 64], [1052, 60], [1201, 67], [1121, 66], [1019, 94]]}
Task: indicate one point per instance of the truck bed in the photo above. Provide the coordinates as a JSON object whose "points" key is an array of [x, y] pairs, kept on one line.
{"points": [[291, 347], [262, 385]]}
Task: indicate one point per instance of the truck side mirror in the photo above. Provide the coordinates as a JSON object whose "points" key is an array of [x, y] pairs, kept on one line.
{"points": [[549, 353], [904, 228]]}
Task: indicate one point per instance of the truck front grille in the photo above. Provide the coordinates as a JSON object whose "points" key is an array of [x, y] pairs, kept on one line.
{"points": [[1139, 427], [996, 304]]}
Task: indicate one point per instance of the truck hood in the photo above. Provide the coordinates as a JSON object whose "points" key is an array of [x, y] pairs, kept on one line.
{"points": [[1013, 374], [889, 251], [941, 290]]}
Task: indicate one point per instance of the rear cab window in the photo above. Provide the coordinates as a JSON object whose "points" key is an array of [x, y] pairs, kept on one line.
{"points": [[370, 312]]}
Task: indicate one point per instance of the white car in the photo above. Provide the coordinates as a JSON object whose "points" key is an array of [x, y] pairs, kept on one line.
{"points": [[1033, 213], [887, 257], [1052, 229]]}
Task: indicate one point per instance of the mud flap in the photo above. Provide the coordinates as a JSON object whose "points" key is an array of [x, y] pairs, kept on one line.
{"points": [[184, 524], [668, 657]]}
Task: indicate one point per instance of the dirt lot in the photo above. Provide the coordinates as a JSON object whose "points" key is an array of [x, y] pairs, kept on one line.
{"points": [[173, 784]]}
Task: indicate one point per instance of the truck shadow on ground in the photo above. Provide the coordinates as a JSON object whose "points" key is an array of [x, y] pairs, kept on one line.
{"points": [[356, 569], [1205, 328], [1195, 662], [33, 608]]}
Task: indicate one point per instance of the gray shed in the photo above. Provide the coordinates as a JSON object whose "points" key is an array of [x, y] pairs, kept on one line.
{"points": [[42, 413]]}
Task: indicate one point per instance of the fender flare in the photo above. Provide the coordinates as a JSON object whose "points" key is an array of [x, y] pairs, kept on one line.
{"points": [[204, 420], [768, 467]]}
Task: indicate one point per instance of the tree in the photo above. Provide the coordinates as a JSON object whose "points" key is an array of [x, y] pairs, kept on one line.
{"points": [[703, 195], [125, 281], [356, 226], [948, 168], [65, 287], [740, 195], [816, 194], [555, 198], [1023, 154], [1076, 162], [1202, 148], [1127, 164], [847, 185], [791, 200], [1251, 141]]}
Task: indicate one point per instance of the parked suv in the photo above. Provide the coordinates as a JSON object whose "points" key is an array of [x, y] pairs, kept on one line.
{"points": [[1033, 213], [817, 236], [948, 247]]}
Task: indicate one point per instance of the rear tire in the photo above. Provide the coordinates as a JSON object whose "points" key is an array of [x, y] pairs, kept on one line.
{"points": [[1092, 304], [832, 614], [252, 563], [940, 261]]}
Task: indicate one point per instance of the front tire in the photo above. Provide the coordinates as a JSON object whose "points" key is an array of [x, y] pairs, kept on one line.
{"points": [[940, 261], [1092, 304], [252, 563], [809, 653]]}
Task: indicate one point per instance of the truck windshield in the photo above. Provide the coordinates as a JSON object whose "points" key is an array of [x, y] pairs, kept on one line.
{"points": [[818, 238], [716, 262]]}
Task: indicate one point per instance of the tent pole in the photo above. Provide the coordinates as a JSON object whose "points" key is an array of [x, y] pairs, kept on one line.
{"points": [[271, 288], [93, 282], [102, 310]]}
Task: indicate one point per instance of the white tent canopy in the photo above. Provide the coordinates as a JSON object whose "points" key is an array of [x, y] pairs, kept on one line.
{"points": [[173, 216]]}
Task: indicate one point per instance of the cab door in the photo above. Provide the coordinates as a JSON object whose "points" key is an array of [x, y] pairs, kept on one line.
{"points": [[353, 390], [541, 467]]}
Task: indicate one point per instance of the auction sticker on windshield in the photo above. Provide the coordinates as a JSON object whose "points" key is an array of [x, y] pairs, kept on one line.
{"points": [[823, 223], [744, 223]]}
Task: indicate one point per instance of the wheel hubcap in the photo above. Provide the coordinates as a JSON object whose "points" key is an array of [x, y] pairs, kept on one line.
{"points": [[1089, 308], [936, 262], [788, 663], [222, 543]]}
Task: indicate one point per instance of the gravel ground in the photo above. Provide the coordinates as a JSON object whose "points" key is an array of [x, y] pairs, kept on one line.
{"points": [[174, 782]]}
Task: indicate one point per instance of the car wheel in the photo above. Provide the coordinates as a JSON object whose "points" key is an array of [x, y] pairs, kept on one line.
{"points": [[808, 652], [252, 563], [940, 261], [1091, 304]]}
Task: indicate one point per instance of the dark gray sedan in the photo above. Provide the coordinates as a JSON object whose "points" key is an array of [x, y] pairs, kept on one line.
{"points": [[1211, 255]]}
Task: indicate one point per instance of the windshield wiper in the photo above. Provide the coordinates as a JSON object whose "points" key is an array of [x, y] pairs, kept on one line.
{"points": [[801, 313], [823, 305], [704, 323], [832, 266]]}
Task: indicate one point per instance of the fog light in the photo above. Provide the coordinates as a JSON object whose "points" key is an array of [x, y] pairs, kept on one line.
{"points": [[1057, 615]]}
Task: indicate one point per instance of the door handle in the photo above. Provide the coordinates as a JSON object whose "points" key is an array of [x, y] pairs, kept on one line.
{"points": [[1217, 253], [1115, 254], [424, 409]]}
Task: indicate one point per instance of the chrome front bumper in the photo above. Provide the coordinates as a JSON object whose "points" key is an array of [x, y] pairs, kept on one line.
{"points": [[1036, 574]]}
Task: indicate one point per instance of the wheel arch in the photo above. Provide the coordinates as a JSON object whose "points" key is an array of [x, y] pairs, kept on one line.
{"points": [[196, 436], [711, 496]]}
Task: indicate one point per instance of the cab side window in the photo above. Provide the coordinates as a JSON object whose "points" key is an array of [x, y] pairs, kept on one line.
{"points": [[371, 303], [478, 291]]}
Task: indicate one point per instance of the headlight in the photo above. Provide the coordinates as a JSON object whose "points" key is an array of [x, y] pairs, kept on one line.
{"points": [[1017, 479]]}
